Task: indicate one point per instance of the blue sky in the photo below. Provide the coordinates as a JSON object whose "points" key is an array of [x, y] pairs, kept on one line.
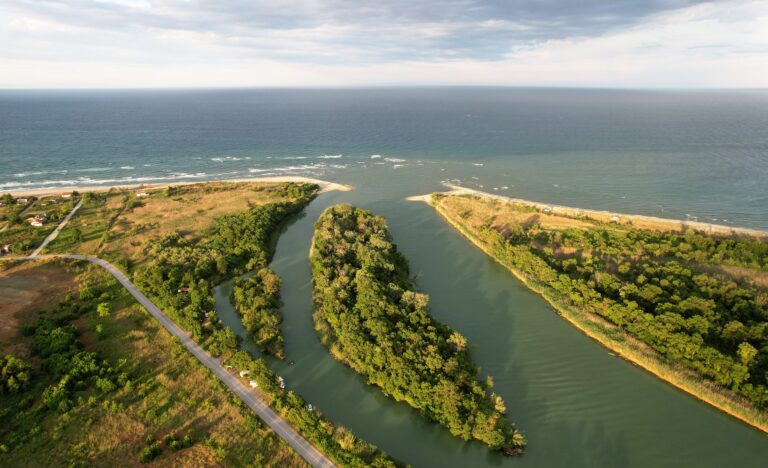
{"points": [[168, 43]]}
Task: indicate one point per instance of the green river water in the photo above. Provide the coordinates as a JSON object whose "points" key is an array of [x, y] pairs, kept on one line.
{"points": [[577, 404]]}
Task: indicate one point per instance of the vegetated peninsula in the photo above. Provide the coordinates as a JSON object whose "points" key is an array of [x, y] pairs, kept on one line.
{"points": [[688, 306], [368, 314], [176, 243]]}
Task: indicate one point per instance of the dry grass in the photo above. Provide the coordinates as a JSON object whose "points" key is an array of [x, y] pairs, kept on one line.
{"points": [[505, 215], [171, 393], [26, 289], [189, 210], [604, 217]]}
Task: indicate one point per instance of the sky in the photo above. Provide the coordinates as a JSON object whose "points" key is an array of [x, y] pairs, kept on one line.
{"points": [[351, 43]]}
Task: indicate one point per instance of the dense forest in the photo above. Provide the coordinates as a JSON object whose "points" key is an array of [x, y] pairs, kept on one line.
{"points": [[694, 298], [368, 314], [257, 299]]}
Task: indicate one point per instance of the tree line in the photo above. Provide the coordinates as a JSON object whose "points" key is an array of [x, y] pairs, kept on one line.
{"points": [[179, 273], [664, 288]]}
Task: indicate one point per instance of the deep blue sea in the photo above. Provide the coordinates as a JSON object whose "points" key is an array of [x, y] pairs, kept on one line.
{"points": [[663, 153]]}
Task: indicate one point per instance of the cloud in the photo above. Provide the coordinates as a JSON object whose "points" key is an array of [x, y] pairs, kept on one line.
{"points": [[124, 43]]}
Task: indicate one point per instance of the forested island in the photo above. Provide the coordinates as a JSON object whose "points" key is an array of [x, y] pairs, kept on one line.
{"points": [[688, 306], [371, 318]]}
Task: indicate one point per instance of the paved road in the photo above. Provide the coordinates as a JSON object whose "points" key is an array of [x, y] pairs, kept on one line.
{"points": [[58, 229], [248, 395]]}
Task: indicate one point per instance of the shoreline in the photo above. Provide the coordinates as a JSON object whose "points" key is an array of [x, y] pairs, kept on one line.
{"points": [[325, 186], [606, 217], [628, 347]]}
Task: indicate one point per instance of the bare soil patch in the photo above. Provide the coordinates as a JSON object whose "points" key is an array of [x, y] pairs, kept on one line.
{"points": [[25, 289]]}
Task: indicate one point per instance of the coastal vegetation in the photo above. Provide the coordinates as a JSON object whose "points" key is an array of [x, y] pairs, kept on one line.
{"points": [[88, 378], [690, 307], [178, 273], [336, 442], [371, 318], [177, 243]]}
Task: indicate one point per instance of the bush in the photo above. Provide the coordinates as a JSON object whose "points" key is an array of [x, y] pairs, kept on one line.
{"points": [[150, 453]]}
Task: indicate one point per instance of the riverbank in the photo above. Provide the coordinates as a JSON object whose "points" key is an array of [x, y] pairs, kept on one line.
{"points": [[636, 221], [618, 340], [325, 186]]}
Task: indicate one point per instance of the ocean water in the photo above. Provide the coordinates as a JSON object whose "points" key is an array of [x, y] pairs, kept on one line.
{"points": [[666, 153]]}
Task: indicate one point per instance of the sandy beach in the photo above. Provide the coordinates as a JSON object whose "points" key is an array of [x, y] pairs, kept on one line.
{"points": [[325, 186], [638, 221]]}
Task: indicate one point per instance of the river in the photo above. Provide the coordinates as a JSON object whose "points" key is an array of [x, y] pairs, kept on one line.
{"points": [[577, 404]]}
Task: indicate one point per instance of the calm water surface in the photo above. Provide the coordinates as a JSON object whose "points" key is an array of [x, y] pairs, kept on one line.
{"points": [[577, 404]]}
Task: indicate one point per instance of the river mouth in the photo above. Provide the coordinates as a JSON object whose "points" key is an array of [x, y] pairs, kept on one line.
{"points": [[576, 403]]}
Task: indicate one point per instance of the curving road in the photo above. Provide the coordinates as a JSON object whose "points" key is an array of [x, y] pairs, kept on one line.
{"points": [[248, 395]]}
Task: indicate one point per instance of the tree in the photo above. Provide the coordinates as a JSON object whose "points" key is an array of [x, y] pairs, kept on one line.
{"points": [[103, 309], [746, 353]]}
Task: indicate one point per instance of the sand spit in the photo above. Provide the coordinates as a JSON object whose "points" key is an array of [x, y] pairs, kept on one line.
{"points": [[325, 186], [637, 221]]}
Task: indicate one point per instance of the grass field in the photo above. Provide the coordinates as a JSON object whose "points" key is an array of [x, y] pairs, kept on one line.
{"points": [[170, 393], [120, 223]]}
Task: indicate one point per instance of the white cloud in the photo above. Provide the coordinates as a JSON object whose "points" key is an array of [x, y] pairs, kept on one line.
{"points": [[722, 44]]}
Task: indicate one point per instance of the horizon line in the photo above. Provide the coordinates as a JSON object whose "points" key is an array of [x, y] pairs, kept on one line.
{"points": [[385, 86]]}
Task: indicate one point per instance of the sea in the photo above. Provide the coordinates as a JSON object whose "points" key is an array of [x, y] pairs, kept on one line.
{"points": [[680, 154]]}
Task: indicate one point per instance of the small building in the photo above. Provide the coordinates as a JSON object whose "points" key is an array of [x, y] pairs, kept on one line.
{"points": [[253, 384], [37, 221], [547, 209], [22, 201], [142, 194], [66, 195], [615, 218], [243, 373], [6, 248]]}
